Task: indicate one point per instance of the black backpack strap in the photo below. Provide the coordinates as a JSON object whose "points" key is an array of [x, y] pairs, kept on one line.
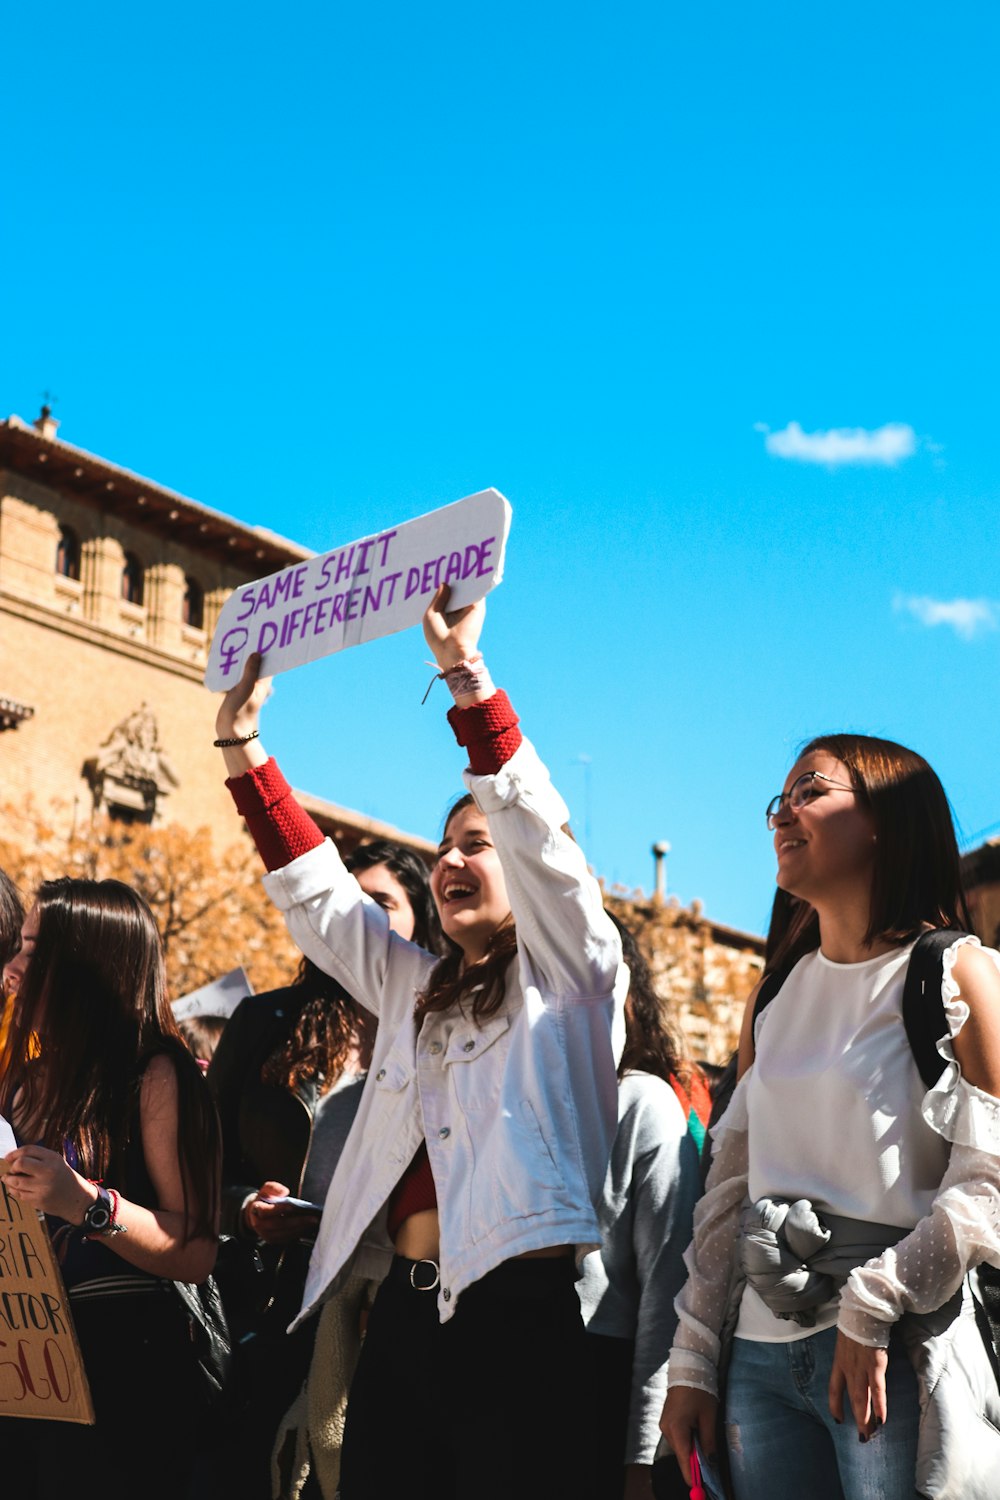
{"points": [[923, 1008]]}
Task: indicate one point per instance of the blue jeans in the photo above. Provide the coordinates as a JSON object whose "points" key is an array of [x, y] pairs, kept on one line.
{"points": [[784, 1444]]}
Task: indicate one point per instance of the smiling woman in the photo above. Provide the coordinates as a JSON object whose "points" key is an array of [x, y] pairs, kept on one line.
{"points": [[848, 1194], [483, 1136]]}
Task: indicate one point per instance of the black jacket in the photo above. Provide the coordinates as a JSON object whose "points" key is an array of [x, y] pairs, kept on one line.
{"points": [[266, 1129]]}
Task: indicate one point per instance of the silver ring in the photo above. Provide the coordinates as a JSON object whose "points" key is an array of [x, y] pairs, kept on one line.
{"points": [[437, 1276]]}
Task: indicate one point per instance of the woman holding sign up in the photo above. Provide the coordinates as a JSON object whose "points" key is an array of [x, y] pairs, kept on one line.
{"points": [[120, 1150], [483, 1137]]}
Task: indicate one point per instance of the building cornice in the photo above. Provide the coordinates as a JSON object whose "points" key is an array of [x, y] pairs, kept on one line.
{"points": [[97, 635], [47, 460]]}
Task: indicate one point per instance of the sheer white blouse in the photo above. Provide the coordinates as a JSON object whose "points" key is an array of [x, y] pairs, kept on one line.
{"points": [[834, 1110]]}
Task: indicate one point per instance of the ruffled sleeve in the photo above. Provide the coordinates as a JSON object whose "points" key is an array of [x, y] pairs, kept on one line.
{"points": [[957, 1110], [710, 1258], [962, 1229]]}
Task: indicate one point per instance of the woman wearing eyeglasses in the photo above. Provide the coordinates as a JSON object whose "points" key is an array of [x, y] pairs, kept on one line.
{"points": [[847, 1202]]}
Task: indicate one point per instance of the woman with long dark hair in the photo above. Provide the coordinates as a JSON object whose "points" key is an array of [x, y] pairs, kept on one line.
{"points": [[484, 1131], [121, 1152], [847, 1200], [287, 1076]]}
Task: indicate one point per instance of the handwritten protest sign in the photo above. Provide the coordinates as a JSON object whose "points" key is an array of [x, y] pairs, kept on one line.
{"points": [[362, 590], [41, 1370]]}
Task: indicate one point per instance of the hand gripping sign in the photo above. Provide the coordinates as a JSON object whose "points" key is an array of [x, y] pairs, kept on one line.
{"points": [[362, 590]]}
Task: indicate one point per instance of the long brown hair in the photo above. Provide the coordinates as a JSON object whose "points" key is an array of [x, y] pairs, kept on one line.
{"points": [[916, 877], [480, 986], [95, 996], [320, 1041]]}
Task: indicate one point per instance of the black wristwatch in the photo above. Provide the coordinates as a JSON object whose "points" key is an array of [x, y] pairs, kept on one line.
{"points": [[100, 1215]]}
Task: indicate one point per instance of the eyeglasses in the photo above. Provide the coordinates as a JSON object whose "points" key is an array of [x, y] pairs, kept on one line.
{"points": [[801, 791]]}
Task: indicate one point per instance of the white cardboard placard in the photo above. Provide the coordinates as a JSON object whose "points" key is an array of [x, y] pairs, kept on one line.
{"points": [[362, 590], [219, 998]]}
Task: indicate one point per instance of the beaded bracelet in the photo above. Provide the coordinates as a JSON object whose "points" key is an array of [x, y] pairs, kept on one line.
{"points": [[237, 739]]}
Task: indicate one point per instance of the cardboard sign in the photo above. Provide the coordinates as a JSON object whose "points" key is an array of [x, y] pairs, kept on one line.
{"points": [[220, 998], [362, 590], [41, 1368]]}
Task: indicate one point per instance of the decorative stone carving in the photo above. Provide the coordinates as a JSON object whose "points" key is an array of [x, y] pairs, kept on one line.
{"points": [[13, 713], [130, 775]]}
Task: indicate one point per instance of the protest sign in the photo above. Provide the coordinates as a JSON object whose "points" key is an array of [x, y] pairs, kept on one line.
{"points": [[362, 590], [220, 998], [41, 1369]]}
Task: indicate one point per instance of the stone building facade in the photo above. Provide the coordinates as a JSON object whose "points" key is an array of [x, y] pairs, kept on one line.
{"points": [[703, 971], [110, 587]]}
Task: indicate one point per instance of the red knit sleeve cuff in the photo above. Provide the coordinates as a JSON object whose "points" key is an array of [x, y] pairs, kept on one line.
{"points": [[489, 732], [281, 829]]}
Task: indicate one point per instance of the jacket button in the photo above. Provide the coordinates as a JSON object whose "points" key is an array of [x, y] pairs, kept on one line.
{"points": [[380, 1075], [444, 1132], [469, 1047], [446, 1294], [434, 1048]]}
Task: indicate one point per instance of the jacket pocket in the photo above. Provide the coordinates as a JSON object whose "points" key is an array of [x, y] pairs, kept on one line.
{"points": [[518, 1177], [475, 1063]]}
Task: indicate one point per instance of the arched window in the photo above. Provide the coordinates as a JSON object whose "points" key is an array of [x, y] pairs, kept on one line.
{"points": [[132, 580], [193, 608], [68, 554]]}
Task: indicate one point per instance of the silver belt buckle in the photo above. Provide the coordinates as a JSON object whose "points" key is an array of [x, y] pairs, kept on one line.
{"points": [[433, 1285]]}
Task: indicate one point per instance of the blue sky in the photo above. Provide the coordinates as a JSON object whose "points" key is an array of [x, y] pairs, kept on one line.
{"points": [[326, 268]]}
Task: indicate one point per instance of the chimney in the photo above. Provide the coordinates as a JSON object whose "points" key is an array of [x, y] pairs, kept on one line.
{"points": [[660, 852], [45, 422]]}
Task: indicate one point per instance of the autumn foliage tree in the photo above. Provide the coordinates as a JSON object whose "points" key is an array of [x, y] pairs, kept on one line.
{"points": [[210, 907]]}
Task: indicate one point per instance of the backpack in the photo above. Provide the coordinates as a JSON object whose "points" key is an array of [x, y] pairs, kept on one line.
{"points": [[924, 1019]]}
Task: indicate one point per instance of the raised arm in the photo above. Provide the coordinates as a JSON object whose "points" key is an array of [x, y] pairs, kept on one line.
{"points": [[331, 920], [568, 947]]}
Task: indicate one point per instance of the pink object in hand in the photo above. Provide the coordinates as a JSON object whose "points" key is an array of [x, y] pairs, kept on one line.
{"points": [[697, 1488]]}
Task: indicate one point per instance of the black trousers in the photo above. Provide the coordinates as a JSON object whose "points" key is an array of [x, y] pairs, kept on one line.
{"points": [[137, 1355], [492, 1405]]}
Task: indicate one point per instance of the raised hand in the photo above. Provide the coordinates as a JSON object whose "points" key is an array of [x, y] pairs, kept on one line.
{"points": [[452, 636], [239, 711], [239, 717]]}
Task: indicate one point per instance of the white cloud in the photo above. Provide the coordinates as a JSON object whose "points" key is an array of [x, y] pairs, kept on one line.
{"points": [[966, 617], [842, 445]]}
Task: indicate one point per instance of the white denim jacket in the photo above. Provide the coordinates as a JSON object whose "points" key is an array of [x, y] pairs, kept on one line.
{"points": [[519, 1114]]}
